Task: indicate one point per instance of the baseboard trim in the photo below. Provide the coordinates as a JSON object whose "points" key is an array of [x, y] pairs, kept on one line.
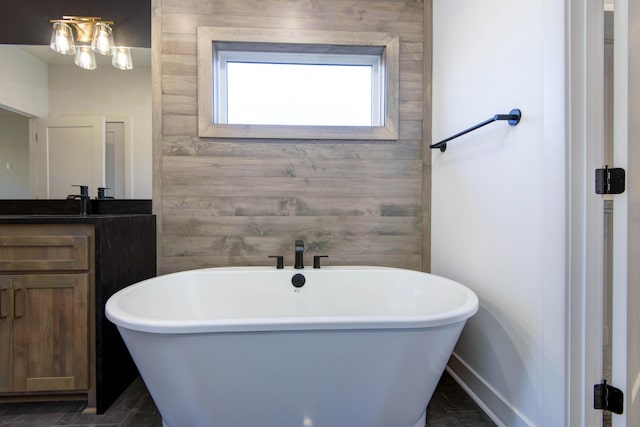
{"points": [[489, 399]]}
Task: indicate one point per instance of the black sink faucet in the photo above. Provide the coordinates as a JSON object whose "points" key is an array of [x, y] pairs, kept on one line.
{"points": [[83, 197], [299, 255]]}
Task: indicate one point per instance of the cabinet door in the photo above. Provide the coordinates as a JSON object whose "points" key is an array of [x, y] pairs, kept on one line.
{"points": [[50, 332], [6, 336]]}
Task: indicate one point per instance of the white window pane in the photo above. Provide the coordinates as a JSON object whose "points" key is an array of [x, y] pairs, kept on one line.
{"points": [[299, 94]]}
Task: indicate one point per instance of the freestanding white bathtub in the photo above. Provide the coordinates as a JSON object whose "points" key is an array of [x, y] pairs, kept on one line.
{"points": [[243, 347]]}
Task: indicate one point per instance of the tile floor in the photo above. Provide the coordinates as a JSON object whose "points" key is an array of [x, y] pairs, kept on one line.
{"points": [[450, 406]]}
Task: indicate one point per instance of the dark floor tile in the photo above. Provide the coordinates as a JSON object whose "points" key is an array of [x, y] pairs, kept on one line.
{"points": [[35, 414], [145, 415], [38, 407], [461, 419], [452, 406], [436, 409], [452, 395], [115, 414], [93, 425], [29, 420]]}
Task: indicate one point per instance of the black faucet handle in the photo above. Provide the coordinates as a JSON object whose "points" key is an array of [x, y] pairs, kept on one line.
{"points": [[102, 192], [279, 261], [316, 260], [84, 190]]}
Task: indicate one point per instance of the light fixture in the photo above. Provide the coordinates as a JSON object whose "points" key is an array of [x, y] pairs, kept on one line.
{"points": [[85, 58], [84, 35], [62, 39], [122, 58], [102, 41]]}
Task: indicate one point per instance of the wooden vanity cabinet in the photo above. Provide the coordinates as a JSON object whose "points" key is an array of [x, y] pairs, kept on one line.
{"points": [[56, 274], [46, 282], [6, 334]]}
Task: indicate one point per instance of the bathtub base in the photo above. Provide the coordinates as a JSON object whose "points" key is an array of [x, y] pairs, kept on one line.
{"points": [[218, 377], [421, 422]]}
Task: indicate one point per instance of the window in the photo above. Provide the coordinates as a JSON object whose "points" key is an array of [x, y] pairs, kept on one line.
{"points": [[327, 85], [297, 89]]}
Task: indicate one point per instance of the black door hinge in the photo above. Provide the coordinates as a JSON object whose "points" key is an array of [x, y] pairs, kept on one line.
{"points": [[608, 398], [610, 180]]}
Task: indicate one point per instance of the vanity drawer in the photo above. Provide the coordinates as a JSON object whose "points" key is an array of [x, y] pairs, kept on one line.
{"points": [[41, 252]]}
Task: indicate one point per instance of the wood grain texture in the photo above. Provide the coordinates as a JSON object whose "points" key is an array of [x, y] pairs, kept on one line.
{"points": [[159, 86], [331, 42], [184, 23], [44, 253], [6, 334], [45, 313], [223, 201], [51, 338], [426, 152]]}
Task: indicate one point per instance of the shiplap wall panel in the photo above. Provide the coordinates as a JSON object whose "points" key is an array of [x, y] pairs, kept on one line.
{"points": [[204, 208], [224, 201]]}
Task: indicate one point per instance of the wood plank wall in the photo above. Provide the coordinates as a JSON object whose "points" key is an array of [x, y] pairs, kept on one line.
{"points": [[224, 202]]}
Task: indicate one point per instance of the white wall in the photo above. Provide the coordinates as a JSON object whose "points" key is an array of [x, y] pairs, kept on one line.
{"points": [[108, 91], [23, 82], [14, 150], [498, 199], [24, 92]]}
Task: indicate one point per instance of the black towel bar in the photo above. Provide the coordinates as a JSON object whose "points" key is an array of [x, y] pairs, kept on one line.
{"points": [[513, 118]]}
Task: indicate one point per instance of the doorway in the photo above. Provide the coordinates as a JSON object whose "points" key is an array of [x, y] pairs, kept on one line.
{"points": [[14, 155], [618, 295], [607, 279], [115, 159], [80, 150]]}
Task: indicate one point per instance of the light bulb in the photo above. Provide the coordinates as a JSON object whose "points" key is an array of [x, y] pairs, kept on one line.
{"points": [[85, 58], [62, 39], [102, 41], [122, 58]]}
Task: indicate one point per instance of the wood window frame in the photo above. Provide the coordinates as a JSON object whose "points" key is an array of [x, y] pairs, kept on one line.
{"points": [[295, 40]]}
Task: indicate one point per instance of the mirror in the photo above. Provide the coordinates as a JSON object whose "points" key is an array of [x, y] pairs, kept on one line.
{"points": [[122, 98]]}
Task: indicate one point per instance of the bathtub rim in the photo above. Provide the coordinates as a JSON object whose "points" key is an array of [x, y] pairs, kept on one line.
{"points": [[127, 320]]}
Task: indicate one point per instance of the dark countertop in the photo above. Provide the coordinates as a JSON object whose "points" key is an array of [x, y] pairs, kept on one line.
{"points": [[62, 219], [46, 207]]}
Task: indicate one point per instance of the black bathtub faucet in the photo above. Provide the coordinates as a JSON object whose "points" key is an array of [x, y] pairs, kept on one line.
{"points": [[299, 253]]}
